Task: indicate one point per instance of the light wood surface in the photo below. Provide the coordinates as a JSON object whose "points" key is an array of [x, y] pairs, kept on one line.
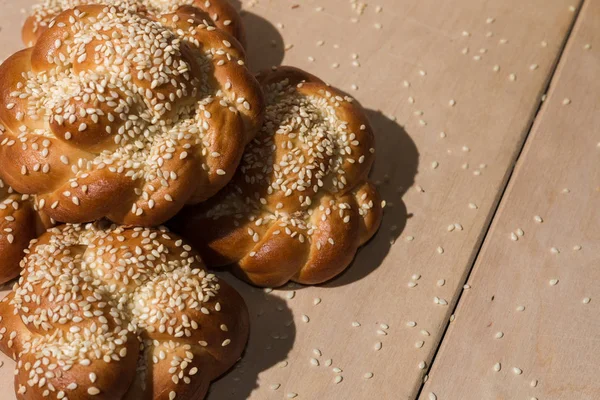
{"points": [[555, 339], [412, 62]]}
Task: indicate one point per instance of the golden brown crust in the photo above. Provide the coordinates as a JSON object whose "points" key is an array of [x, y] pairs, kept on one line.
{"points": [[222, 14], [115, 115], [107, 312], [19, 223], [300, 204]]}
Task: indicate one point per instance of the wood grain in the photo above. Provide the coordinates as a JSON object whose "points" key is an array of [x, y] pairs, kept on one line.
{"points": [[404, 64], [555, 339]]}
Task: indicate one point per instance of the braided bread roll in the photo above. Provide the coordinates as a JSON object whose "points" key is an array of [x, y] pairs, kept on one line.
{"points": [[107, 312], [300, 204], [19, 223], [112, 114], [221, 13]]}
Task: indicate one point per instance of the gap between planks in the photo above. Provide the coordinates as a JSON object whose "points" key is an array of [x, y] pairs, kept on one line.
{"points": [[509, 175]]}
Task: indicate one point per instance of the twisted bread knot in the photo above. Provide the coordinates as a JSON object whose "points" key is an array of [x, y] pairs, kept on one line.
{"points": [[19, 223], [300, 205], [114, 115], [118, 313], [224, 16]]}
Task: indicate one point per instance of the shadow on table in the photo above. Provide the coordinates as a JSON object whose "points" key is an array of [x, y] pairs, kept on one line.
{"points": [[272, 335], [396, 164], [264, 44]]}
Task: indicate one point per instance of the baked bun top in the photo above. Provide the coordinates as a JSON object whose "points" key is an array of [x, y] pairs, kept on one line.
{"points": [[221, 13], [102, 311], [300, 204], [112, 114]]}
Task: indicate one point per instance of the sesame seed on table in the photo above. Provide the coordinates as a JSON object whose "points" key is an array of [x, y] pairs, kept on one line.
{"points": [[449, 87], [530, 323]]}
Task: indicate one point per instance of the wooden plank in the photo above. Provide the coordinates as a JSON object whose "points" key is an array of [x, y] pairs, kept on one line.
{"points": [[420, 42], [11, 19], [552, 270], [491, 116]]}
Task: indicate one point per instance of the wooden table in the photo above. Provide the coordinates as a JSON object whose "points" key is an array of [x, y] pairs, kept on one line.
{"points": [[486, 184]]}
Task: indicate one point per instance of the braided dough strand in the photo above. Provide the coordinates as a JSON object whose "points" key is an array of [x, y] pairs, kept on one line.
{"points": [[300, 205], [112, 114], [109, 312]]}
